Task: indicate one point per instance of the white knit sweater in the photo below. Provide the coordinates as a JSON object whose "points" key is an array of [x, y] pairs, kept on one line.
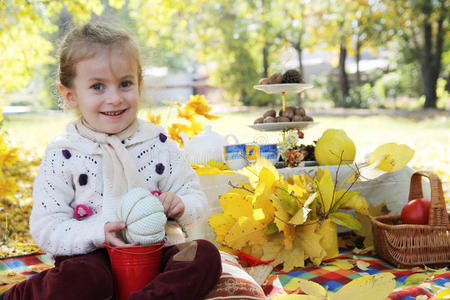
{"points": [[71, 174]]}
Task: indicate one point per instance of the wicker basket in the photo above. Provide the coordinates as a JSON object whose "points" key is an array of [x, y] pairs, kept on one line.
{"points": [[407, 245]]}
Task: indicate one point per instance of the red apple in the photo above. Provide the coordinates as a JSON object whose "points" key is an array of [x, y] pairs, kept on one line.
{"points": [[416, 211]]}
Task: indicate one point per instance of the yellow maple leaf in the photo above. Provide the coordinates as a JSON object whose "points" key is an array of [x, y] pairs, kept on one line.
{"points": [[254, 250], [281, 215], [301, 215], [353, 201], [373, 287], [366, 225], [297, 297], [235, 205], [325, 191], [391, 157], [186, 113], [153, 118], [221, 224], [199, 105], [362, 265], [289, 201], [291, 258], [245, 231], [443, 294], [341, 264], [299, 185], [328, 231], [217, 164], [253, 171], [261, 200], [227, 249], [174, 131], [415, 279], [308, 239], [272, 247], [345, 219], [312, 288], [379, 209], [303, 180]]}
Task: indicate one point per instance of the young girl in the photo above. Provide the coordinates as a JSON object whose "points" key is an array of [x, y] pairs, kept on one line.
{"points": [[98, 159]]}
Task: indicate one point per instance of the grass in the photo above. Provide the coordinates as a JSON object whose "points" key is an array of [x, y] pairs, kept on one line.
{"points": [[430, 138]]}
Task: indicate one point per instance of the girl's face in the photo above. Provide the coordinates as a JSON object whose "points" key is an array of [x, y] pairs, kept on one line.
{"points": [[105, 90]]}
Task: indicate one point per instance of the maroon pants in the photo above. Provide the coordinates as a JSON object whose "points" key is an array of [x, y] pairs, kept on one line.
{"points": [[189, 271]]}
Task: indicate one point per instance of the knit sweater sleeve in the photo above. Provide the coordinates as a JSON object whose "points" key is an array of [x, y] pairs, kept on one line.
{"points": [[52, 222], [183, 181]]}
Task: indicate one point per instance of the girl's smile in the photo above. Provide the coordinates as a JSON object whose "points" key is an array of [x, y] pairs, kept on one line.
{"points": [[105, 90], [114, 114]]}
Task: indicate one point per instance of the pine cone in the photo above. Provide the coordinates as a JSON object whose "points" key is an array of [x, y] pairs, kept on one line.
{"points": [[292, 76]]}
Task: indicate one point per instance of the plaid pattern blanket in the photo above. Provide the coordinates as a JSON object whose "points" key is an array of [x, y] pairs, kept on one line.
{"points": [[19, 268], [330, 275]]}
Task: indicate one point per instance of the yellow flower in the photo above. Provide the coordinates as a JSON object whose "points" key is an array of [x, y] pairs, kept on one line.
{"points": [[1, 114]]}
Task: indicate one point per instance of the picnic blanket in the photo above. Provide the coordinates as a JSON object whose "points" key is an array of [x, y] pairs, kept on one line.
{"points": [[333, 273], [19, 268]]}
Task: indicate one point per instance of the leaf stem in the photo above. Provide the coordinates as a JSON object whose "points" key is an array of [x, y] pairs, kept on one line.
{"points": [[240, 187]]}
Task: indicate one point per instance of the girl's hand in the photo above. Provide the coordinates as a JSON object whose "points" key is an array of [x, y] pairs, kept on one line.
{"points": [[173, 205], [111, 234]]}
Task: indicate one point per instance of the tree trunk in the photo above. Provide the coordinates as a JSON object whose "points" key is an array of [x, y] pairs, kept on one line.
{"points": [[300, 58], [358, 72], [343, 79], [265, 60], [358, 58], [298, 48], [431, 62]]}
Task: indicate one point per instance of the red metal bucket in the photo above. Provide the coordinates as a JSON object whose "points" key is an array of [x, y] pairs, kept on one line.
{"points": [[134, 267]]}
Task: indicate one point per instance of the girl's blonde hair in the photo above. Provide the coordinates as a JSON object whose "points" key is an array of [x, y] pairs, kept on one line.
{"points": [[83, 42]]}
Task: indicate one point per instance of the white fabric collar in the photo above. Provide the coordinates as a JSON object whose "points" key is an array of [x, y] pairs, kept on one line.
{"points": [[70, 138]]}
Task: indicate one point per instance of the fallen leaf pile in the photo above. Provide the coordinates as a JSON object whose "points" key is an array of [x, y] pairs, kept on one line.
{"points": [[17, 172], [372, 287]]}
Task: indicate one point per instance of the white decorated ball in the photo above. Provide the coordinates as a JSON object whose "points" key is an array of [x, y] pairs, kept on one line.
{"points": [[144, 217]]}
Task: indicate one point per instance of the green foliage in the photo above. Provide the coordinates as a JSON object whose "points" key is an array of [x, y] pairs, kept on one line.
{"points": [[402, 82], [233, 40], [24, 30]]}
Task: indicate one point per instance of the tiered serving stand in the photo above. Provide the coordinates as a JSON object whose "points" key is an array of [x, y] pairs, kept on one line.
{"points": [[283, 89], [284, 127]]}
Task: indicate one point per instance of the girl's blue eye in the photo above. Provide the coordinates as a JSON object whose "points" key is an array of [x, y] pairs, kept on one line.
{"points": [[97, 87], [125, 84]]}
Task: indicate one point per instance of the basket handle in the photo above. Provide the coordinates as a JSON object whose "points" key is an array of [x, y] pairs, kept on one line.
{"points": [[438, 215]]}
